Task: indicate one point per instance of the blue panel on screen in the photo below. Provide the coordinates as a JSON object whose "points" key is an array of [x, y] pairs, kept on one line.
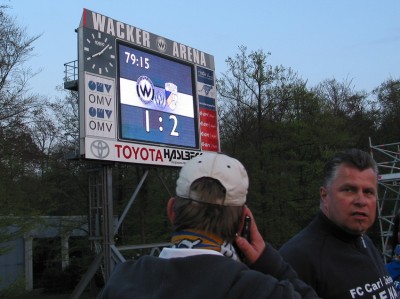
{"points": [[156, 99]]}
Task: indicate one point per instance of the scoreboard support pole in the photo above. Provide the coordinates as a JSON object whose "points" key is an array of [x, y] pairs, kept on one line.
{"points": [[108, 234], [104, 256], [107, 254]]}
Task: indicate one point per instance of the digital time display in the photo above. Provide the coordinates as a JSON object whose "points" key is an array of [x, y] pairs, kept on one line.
{"points": [[156, 97]]}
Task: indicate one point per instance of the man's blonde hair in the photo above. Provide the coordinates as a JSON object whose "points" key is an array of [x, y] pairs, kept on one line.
{"points": [[200, 211]]}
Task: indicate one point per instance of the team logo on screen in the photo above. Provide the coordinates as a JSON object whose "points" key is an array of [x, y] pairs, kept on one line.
{"points": [[171, 93], [160, 100], [159, 96], [145, 89]]}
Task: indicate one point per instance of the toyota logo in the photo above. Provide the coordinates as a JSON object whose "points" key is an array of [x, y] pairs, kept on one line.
{"points": [[100, 149]]}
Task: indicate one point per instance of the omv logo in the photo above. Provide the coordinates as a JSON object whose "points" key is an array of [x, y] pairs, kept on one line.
{"points": [[99, 86]]}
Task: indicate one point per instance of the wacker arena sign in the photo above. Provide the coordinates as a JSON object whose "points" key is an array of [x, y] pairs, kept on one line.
{"points": [[144, 99]]}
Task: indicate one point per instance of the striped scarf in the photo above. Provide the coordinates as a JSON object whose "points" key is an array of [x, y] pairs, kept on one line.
{"points": [[195, 239]]}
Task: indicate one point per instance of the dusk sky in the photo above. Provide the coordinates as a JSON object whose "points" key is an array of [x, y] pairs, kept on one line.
{"points": [[356, 40]]}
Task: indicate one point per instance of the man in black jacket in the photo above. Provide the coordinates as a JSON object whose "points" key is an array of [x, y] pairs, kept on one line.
{"points": [[333, 254], [207, 213]]}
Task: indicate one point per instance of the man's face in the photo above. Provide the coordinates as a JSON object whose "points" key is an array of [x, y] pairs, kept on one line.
{"points": [[350, 199]]}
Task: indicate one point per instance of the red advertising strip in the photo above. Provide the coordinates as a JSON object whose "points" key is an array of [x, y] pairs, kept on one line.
{"points": [[208, 130]]}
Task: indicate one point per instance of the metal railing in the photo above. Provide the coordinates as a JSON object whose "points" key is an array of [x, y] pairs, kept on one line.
{"points": [[71, 71]]}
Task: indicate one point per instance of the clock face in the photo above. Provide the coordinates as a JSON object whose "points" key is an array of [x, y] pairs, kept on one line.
{"points": [[99, 53]]}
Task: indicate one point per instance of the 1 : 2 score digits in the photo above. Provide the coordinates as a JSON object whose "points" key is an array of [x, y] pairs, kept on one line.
{"points": [[161, 128], [138, 61]]}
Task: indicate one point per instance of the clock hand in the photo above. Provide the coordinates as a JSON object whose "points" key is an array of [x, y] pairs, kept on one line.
{"points": [[105, 48], [101, 52]]}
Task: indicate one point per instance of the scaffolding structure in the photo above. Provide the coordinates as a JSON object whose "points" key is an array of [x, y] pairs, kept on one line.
{"points": [[387, 157]]}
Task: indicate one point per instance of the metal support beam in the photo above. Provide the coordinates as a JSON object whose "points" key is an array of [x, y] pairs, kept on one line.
{"points": [[108, 234]]}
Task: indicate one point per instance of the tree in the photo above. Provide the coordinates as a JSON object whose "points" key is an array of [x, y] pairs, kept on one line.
{"points": [[388, 104], [347, 112], [264, 113], [15, 48], [22, 131], [19, 154]]}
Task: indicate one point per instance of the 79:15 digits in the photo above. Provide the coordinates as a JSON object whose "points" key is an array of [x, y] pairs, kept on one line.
{"points": [[140, 62]]}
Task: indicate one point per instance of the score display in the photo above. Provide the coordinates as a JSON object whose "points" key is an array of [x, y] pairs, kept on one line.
{"points": [[143, 98], [156, 99]]}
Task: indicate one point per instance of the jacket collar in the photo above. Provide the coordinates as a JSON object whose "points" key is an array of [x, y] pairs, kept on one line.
{"points": [[339, 232]]}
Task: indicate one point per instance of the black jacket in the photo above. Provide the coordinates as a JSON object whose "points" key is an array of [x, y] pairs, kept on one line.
{"points": [[206, 276], [338, 265]]}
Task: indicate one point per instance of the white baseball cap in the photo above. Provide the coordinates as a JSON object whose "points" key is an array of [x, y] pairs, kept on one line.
{"points": [[228, 171]]}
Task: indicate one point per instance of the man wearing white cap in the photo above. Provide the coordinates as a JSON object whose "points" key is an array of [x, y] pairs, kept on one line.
{"points": [[207, 215]]}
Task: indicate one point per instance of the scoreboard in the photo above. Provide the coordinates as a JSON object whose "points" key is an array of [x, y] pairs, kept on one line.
{"points": [[144, 98]]}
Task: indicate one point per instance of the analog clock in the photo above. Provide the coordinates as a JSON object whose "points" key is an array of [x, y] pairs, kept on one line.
{"points": [[99, 53]]}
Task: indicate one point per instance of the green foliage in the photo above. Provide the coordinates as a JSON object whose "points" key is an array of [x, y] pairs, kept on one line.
{"points": [[388, 103]]}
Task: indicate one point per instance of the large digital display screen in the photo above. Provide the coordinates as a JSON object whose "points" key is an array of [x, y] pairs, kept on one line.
{"points": [[156, 97]]}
